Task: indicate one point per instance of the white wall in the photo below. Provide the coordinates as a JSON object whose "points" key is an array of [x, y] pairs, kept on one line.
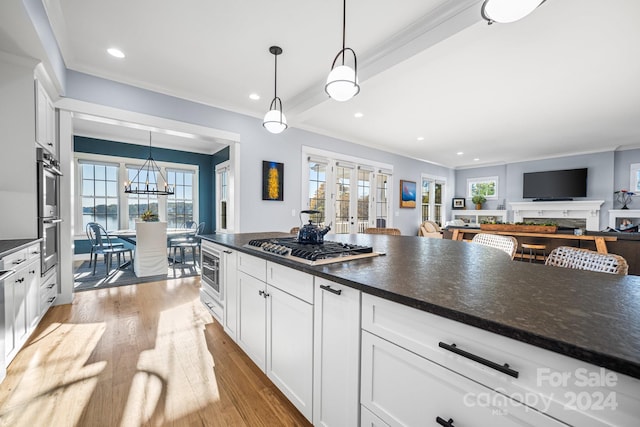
{"points": [[256, 145]]}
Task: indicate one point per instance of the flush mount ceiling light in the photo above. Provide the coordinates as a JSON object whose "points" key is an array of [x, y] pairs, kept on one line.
{"points": [[506, 11], [342, 82], [151, 173], [275, 121]]}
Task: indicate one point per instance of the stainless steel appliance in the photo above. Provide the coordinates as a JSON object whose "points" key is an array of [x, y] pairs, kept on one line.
{"points": [[48, 208], [312, 254], [211, 271]]}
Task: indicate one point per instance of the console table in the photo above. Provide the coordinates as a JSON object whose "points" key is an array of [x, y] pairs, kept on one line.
{"points": [[600, 241]]}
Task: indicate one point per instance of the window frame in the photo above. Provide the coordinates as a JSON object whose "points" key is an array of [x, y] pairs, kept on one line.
{"points": [[122, 163], [634, 178], [482, 180]]}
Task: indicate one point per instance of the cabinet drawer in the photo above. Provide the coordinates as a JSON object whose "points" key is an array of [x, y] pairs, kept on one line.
{"points": [[210, 304], [253, 266], [404, 389], [369, 419], [16, 259], [547, 381], [294, 282]]}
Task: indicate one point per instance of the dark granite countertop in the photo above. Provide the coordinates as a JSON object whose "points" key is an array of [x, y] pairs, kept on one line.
{"points": [[594, 317], [9, 246]]}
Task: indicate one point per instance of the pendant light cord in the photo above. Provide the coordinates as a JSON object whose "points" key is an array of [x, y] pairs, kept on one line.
{"points": [[275, 78], [344, 26]]}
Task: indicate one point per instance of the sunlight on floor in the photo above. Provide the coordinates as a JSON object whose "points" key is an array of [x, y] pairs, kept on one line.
{"points": [[162, 390], [63, 370]]}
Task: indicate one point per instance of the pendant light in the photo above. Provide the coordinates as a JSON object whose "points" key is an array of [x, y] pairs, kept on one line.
{"points": [[507, 11], [275, 121], [151, 185], [342, 82]]}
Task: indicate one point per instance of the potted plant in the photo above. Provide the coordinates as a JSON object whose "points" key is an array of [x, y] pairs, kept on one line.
{"points": [[478, 200], [149, 216]]}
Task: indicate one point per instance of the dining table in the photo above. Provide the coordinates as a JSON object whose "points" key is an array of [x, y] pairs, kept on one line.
{"points": [[129, 236]]}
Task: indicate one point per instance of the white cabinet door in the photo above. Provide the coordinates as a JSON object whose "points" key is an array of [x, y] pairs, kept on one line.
{"points": [[337, 354], [230, 293], [252, 327], [32, 285], [45, 120], [290, 347], [404, 389], [16, 325]]}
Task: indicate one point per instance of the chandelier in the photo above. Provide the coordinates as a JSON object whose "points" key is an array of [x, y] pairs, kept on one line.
{"points": [[151, 174]]}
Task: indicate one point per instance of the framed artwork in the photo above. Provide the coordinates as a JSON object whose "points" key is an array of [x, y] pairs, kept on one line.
{"points": [[272, 180], [407, 194], [457, 203]]}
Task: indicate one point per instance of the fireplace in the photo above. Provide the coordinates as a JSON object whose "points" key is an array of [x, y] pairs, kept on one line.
{"points": [[568, 212]]}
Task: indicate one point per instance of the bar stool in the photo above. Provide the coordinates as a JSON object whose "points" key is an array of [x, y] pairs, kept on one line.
{"points": [[534, 249]]}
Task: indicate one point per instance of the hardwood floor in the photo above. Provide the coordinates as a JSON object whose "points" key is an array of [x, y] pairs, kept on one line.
{"points": [[141, 355]]}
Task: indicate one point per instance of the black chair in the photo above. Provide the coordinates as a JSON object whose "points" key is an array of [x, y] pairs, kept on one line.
{"points": [[188, 242], [101, 245], [93, 248]]}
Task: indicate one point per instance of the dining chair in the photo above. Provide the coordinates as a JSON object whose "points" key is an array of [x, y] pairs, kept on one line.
{"points": [[101, 244], [379, 230], [585, 259], [92, 249], [189, 242], [508, 244]]}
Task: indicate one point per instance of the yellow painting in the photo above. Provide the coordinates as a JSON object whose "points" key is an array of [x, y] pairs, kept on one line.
{"points": [[272, 180]]}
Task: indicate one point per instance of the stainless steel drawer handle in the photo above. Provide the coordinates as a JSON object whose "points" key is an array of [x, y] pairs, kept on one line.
{"points": [[493, 365], [442, 422], [330, 289]]}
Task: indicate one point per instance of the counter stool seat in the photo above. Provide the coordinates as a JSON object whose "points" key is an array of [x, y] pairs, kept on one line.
{"points": [[534, 249]]}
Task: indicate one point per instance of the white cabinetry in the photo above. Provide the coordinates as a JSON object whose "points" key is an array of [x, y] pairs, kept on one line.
{"points": [[19, 213], [275, 325], [337, 354], [21, 296], [408, 354], [404, 389], [475, 217], [45, 120]]}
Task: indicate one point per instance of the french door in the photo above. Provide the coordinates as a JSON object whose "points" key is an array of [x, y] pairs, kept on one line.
{"points": [[350, 197]]}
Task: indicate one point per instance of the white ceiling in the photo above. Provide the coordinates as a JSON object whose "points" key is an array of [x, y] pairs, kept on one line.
{"points": [[563, 80]]}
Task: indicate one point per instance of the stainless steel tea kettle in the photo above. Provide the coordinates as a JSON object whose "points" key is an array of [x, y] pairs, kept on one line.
{"points": [[311, 233]]}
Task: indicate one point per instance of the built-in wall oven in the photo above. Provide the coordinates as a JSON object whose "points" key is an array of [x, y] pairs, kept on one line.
{"points": [[48, 208], [211, 289]]}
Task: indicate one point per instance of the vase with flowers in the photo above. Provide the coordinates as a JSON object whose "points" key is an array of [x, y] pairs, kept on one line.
{"points": [[623, 197]]}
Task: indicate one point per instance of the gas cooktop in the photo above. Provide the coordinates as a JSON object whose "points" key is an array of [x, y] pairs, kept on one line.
{"points": [[312, 254]]}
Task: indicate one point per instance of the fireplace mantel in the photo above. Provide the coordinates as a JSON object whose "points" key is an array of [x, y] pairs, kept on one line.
{"points": [[588, 210]]}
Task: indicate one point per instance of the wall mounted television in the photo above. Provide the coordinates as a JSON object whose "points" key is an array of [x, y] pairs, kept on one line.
{"points": [[555, 185]]}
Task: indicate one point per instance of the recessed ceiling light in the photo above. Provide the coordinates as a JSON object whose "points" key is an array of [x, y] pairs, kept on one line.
{"points": [[358, 115], [254, 96], [476, 159], [115, 52], [459, 153], [420, 138]]}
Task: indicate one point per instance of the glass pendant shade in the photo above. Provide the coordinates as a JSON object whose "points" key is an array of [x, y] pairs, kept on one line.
{"points": [[506, 11], [274, 121], [342, 83]]}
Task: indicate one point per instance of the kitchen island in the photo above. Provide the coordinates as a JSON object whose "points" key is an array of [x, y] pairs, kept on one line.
{"points": [[585, 316]]}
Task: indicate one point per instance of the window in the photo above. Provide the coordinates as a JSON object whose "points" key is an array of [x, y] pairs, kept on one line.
{"points": [[139, 203], [318, 188], [180, 204], [222, 196], [381, 199], [487, 187], [99, 194], [364, 189], [431, 203]]}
